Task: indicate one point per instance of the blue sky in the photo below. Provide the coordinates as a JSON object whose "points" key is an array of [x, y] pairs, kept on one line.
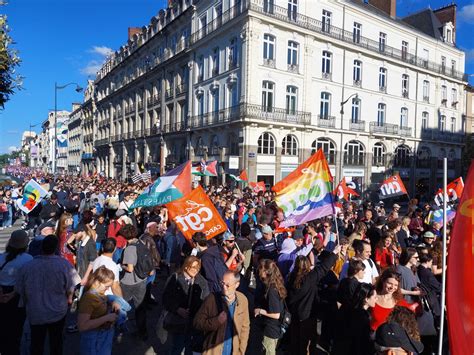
{"points": [[65, 41]]}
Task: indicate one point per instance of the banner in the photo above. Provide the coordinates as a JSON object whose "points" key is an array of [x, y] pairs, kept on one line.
{"points": [[437, 216], [33, 193], [460, 275], [306, 193], [241, 178], [343, 191], [392, 187], [258, 186], [455, 189], [206, 168], [195, 212]]}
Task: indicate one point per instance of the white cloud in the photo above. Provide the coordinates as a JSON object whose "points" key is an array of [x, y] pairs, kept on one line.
{"points": [[466, 13], [12, 148], [91, 68], [102, 50], [100, 53]]}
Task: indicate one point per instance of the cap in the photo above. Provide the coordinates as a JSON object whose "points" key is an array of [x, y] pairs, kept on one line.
{"points": [[396, 205], [380, 221], [267, 229], [392, 335], [429, 235], [228, 236], [18, 239]]}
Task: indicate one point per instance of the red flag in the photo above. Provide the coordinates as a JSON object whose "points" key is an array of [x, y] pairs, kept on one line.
{"points": [[460, 276], [243, 175], [392, 187], [258, 186], [343, 191], [455, 189]]}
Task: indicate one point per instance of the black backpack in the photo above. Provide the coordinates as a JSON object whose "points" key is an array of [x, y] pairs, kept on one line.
{"points": [[144, 261]]}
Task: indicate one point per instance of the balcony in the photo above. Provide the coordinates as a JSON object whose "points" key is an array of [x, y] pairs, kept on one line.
{"points": [[405, 94], [269, 63], [354, 160], [443, 136], [357, 126], [152, 131], [169, 93], [130, 110], [294, 68], [326, 76], [326, 121], [426, 99], [274, 114], [181, 89], [383, 89], [383, 128], [217, 117], [140, 105], [101, 142], [405, 131], [357, 83]]}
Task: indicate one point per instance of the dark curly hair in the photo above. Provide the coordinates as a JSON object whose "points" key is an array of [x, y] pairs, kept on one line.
{"points": [[406, 318], [389, 274], [128, 231]]}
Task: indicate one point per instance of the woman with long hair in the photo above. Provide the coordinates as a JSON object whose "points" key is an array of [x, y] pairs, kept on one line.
{"points": [[384, 253], [353, 335], [361, 229], [63, 232], [269, 306], [403, 235], [184, 294], [94, 320]]}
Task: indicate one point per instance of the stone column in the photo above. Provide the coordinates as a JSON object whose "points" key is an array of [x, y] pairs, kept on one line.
{"points": [[111, 172], [124, 162], [137, 158], [277, 176]]}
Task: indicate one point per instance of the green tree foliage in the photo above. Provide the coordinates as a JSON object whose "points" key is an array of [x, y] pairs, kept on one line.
{"points": [[9, 60]]}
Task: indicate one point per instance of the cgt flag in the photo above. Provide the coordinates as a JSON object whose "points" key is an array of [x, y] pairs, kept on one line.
{"points": [[343, 191], [460, 276], [392, 187], [455, 189], [195, 212], [258, 186]]}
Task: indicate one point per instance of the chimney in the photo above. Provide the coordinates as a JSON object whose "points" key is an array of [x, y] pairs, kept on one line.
{"points": [[133, 31], [387, 6], [447, 14]]}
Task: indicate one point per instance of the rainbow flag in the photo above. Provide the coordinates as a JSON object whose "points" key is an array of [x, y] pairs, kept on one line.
{"points": [[306, 193], [437, 216], [33, 193]]}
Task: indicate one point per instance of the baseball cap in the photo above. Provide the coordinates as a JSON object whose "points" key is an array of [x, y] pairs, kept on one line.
{"points": [[267, 229], [18, 239], [429, 235], [392, 335], [396, 205]]}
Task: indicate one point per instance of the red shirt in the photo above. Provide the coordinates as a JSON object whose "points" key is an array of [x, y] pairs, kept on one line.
{"points": [[384, 258], [380, 314]]}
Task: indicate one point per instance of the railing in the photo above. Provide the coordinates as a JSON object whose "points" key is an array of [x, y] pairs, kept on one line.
{"points": [[152, 131], [140, 105], [379, 160], [326, 76], [276, 114], [405, 131], [357, 83], [181, 89], [326, 121], [357, 126], [402, 162], [444, 136], [169, 93], [383, 128], [155, 99], [100, 142], [426, 98], [174, 127], [405, 93], [129, 110], [294, 68], [358, 160], [269, 62]]}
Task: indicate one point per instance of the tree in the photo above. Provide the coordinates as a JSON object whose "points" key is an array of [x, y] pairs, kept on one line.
{"points": [[9, 60]]}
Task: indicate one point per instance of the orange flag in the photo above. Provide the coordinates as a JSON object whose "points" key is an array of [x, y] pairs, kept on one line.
{"points": [[343, 191], [195, 212], [392, 187], [460, 275], [243, 175], [455, 189], [258, 186]]}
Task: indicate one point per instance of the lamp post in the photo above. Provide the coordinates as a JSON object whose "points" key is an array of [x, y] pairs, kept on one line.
{"points": [[356, 96], [55, 138]]}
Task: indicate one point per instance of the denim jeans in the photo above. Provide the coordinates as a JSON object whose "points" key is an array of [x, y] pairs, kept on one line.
{"points": [[124, 308], [97, 342], [8, 216]]}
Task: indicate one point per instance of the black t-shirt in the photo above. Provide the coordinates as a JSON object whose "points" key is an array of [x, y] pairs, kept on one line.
{"points": [[346, 290], [272, 303]]}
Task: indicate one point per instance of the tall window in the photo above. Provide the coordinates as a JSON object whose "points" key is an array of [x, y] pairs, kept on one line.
{"points": [[292, 9], [383, 79], [200, 68], [426, 90], [290, 145], [354, 153], [405, 84], [382, 41], [325, 106], [267, 96], [452, 128], [268, 47], [292, 53], [381, 114], [426, 57], [378, 154], [233, 53], [355, 117], [357, 32], [454, 97], [424, 120], [215, 100], [215, 61], [357, 72], [291, 99], [453, 67], [326, 21], [402, 156], [404, 50], [404, 117], [327, 146], [326, 64], [200, 105], [268, 6], [266, 144], [443, 64], [444, 94], [442, 123]]}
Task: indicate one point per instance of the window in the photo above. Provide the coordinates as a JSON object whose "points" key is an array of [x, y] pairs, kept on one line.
{"points": [[356, 34], [326, 64], [452, 129], [268, 6], [454, 97], [200, 68], [382, 41], [215, 61], [426, 90], [267, 96], [379, 152], [381, 114], [424, 120], [327, 146], [292, 53], [215, 145], [215, 100], [405, 84], [442, 123], [268, 47], [404, 50], [203, 23], [404, 117], [444, 95], [357, 72], [449, 36], [292, 9], [200, 146], [354, 153], [453, 67], [402, 156], [266, 144], [326, 21], [200, 105], [290, 145], [291, 99], [382, 79], [325, 105], [423, 157], [426, 57], [355, 117], [443, 64], [233, 53]]}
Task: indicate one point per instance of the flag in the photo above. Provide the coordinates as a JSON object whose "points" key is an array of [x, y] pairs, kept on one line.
{"points": [[146, 176], [258, 186], [460, 278], [169, 187], [455, 189], [33, 193], [392, 187], [241, 178], [206, 168], [136, 178], [437, 216], [343, 191], [306, 193], [195, 212]]}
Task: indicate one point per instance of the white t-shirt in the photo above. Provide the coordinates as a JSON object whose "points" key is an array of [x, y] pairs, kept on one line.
{"points": [[109, 264], [369, 273]]}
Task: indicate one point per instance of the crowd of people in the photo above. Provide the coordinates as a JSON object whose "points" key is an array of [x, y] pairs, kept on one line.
{"points": [[364, 281]]}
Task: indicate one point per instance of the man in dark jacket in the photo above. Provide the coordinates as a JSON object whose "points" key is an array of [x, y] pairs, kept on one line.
{"points": [[213, 267], [52, 209]]}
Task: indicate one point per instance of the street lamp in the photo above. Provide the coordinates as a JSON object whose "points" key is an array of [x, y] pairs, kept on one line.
{"points": [[356, 96], [56, 88]]}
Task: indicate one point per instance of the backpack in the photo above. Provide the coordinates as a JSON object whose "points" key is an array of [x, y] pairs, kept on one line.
{"points": [[144, 261], [285, 319]]}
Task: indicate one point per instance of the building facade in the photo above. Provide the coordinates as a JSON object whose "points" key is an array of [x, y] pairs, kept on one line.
{"points": [[268, 82], [74, 139], [88, 130]]}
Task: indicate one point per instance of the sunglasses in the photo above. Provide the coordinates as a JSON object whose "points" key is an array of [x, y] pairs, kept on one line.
{"points": [[327, 226], [230, 241]]}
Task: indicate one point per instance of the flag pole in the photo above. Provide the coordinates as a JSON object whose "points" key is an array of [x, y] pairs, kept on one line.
{"points": [[443, 285]]}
